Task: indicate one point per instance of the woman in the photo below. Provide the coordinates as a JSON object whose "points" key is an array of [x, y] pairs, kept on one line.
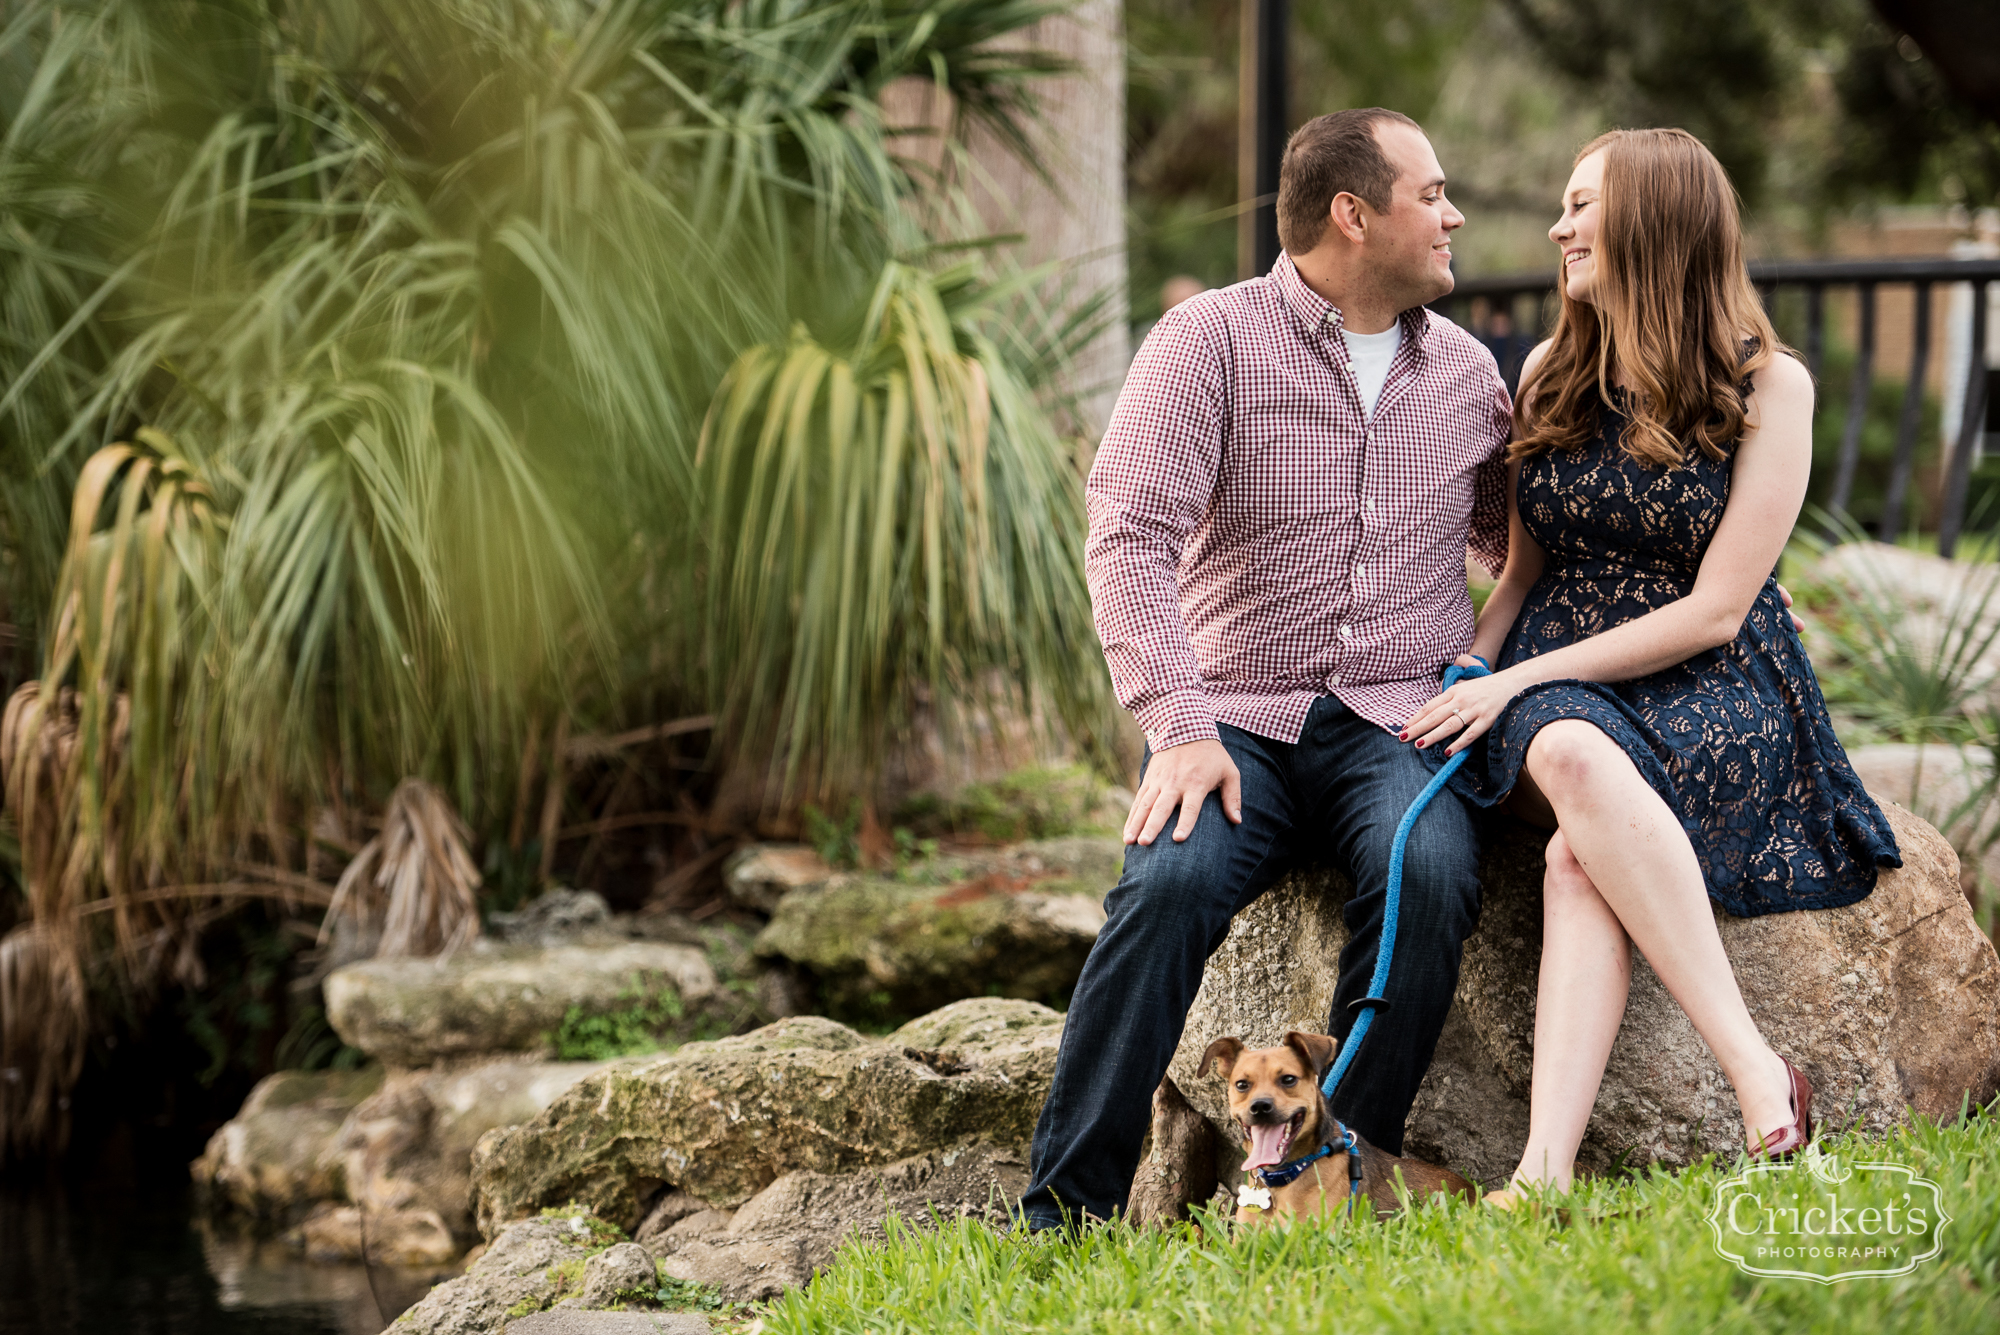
{"points": [[1651, 700]]}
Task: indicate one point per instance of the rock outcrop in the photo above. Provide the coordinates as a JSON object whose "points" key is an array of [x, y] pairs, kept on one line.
{"points": [[1017, 923], [409, 1145], [1887, 1004], [530, 1267], [722, 1121], [405, 1238], [272, 1161], [318, 1149], [760, 876], [508, 999], [791, 1229]]}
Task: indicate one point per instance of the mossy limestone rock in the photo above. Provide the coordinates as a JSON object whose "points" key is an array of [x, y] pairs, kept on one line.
{"points": [[526, 1269], [408, 1146], [494, 999], [272, 1160], [723, 1120], [792, 1228], [1015, 924]]}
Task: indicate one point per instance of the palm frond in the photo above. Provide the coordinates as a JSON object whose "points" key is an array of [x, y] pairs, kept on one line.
{"points": [[889, 518], [413, 889], [352, 384]]}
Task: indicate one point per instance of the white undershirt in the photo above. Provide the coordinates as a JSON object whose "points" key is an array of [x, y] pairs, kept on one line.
{"points": [[1372, 354]]}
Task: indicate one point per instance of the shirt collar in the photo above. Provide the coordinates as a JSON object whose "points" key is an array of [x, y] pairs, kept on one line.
{"points": [[1315, 312]]}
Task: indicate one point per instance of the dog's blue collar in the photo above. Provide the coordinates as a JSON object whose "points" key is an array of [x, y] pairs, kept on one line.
{"points": [[1285, 1174]]}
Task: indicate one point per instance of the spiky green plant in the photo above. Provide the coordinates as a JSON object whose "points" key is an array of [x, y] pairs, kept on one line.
{"points": [[849, 485], [379, 337]]}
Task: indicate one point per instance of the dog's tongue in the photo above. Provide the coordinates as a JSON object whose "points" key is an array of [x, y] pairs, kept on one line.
{"points": [[1267, 1145]]}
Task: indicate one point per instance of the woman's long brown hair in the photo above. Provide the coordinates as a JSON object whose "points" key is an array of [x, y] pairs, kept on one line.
{"points": [[1671, 308]]}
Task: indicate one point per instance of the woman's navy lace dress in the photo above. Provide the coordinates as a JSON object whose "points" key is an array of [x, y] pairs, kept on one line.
{"points": [[1736, 739]]}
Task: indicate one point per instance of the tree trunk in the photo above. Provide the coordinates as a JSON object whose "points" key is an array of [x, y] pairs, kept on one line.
{"points": [[1180, 1172]]}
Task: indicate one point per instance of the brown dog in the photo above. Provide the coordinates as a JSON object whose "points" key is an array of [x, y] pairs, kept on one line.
{"points": [[1274, 1097]]}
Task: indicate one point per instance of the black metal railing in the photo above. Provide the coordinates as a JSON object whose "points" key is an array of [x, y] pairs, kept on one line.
{"points": [[1506, 293]]}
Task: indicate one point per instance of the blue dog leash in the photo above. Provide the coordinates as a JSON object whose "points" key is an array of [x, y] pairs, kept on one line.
{"points": [[1385, 951]]}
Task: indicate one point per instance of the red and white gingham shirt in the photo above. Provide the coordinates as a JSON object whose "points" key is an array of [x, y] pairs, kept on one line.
{"points": [[1254, 542]]}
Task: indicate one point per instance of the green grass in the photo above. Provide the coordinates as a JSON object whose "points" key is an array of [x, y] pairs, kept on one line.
{"points": [[1646, 1263]]}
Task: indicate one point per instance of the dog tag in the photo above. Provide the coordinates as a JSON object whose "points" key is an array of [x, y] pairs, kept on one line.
{"points": [[1253, 1198]]}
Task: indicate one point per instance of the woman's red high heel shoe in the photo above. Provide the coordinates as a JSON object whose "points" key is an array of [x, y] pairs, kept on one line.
{"points": [[1783, 1144]]}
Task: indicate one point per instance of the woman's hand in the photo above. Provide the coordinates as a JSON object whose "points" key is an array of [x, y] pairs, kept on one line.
{"points": [[1461, 714]]}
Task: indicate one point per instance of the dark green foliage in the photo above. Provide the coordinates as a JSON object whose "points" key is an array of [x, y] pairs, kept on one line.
{"points": [[1712, 67], [1878, 445], [637, 1028], [243, 1012], [1035, 803], [680, 1295], [1181, 110], [1903, 130], [354, 375]]}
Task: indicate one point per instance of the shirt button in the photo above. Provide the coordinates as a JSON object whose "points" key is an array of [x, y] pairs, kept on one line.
{"points": [[1334, 680], [1371, 503], [1347, 632]]}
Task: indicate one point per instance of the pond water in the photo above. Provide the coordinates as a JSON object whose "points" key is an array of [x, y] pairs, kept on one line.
{"points": [[109, 1244]]}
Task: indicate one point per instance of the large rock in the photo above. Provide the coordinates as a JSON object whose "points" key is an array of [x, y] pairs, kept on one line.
{"points": [[399, 1148], [271, 1161], [721, 1121], [1888, 1004], [1017, 924], [530, 1267], [494, 999], [409, 1145], [760, 876], [392, 1237], [792, 1228]]}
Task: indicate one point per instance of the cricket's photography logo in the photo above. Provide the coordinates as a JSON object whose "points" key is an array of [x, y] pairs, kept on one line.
{"points": [[1826, 1220]]}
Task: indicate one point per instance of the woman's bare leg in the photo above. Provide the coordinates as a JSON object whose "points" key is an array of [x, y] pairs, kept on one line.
{"points": [[1579, 1004], [1639, 860]]}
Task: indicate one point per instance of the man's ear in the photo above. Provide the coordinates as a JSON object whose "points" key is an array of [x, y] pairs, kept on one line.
{"points": [[1224, 1050], [1348, 216], [1317, 1051]]}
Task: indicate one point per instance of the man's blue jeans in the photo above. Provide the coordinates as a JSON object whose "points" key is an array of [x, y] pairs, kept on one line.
{"points": [[1335, 796]]}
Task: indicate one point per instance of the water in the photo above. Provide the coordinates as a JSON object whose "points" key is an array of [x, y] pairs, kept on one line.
{"points": [[109, 1244]]}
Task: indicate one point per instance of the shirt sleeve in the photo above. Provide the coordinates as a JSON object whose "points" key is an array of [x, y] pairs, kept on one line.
{"points": [[1149, 489], [1486, 538]]}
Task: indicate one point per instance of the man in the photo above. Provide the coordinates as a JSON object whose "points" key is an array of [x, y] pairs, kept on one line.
{"points": [[1279, 518]]}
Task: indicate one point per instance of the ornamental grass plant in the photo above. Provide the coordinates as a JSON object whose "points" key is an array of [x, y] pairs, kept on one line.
{"points": [[424, 389]]}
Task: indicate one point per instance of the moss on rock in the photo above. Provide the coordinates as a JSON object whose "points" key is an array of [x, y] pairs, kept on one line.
{"points": [[723, 1120]]}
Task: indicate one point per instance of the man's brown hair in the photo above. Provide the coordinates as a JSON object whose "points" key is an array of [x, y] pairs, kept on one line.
{"points": [[1327, 156]]}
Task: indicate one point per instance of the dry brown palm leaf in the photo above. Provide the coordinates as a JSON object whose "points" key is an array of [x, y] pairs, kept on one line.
{"points": [[414, 882], [44, 1022]]}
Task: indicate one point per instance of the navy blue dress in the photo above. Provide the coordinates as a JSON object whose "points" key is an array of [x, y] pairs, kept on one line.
{"points": [[1737, 738]]}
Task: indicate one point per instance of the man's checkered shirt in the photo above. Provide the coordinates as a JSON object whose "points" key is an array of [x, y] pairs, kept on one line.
{"points": [[1254, 542]]}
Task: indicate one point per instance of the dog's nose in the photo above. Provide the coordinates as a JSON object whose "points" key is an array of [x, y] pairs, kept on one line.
{"points": [[1261, 1107]]}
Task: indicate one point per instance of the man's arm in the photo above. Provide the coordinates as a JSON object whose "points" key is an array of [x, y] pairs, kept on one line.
{"points": [[1487, 537], [1149, 489]]}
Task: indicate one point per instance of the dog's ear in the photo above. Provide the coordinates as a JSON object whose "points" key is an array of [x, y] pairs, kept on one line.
{"points": [[1317, 1051], [1224, 1050]]}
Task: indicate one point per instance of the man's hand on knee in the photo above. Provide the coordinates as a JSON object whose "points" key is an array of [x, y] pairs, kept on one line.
{"points": [[1183, 776]]}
